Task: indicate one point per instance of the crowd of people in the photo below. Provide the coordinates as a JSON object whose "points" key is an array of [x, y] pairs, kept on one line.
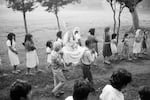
{"points": [[68, 50], [22, 90]]}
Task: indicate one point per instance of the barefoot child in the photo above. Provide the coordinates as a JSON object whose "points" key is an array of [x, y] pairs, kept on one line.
{"points": [[106, 46], [114, 46], [49, 47], [125, 49], [32, 60], [87, 60], [12, 52], [119, 80], [137, 46], [57, 66], [144, 43]]}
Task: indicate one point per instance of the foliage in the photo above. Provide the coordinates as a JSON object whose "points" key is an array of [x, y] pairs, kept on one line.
{"points": [[22, 5], [131, 4], [54, 5]]}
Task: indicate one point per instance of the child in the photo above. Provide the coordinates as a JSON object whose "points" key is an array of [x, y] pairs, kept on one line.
{"points": [[125, 49], [137, 46], [106, 46], [114, 46], [87, 60], [144, 93], [92, 37], [12, 52], [119, 80], [144, 43], [20, 90], [32, 60], [77, 35], [57, 66], [49, 46], [81, 91], [59, 37]]}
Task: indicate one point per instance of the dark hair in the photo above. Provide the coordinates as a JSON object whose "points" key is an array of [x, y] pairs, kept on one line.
{"points": [[81, 90], [59, 34], [92, 31], [106, 29], [10, 37], [120, 78], [49, 44], [88, 42], [125, 36], [114, 35], [28, 37], [20, 89], [144, 93]]}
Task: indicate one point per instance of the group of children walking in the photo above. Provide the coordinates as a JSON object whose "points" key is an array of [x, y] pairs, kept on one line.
{"points": [[110, 49], [56, 61]]}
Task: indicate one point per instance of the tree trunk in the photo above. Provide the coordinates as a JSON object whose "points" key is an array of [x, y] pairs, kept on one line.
{"points": [[114, 17], [25, 22], [119, 23], [135, 19], [58, 22]]}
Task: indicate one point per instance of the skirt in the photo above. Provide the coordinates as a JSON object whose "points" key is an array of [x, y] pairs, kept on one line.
{"points": [[114, 48], [144, 46], [137, 47], [49, 59], [14, 59], [107, 50], [32, 59]]}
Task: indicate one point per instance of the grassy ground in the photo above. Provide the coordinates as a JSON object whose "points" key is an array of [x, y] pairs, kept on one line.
{"points": [[43, 27]]}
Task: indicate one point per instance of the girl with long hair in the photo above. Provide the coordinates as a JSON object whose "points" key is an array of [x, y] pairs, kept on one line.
{"points": [[32, 60], [12, 52]]}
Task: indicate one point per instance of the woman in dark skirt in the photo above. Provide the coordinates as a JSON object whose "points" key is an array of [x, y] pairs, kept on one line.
{"points": [[144, 45], [106, 46]]}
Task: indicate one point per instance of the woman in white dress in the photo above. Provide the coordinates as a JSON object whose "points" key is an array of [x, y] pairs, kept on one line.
{"points": [[12, 52], [137, 46], [32, 60]]}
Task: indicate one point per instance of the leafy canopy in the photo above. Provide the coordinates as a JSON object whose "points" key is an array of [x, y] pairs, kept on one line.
{"points": [[131, 4], [54, 5], [22, 5]]}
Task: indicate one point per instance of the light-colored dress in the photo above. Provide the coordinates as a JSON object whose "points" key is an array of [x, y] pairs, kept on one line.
{"points": [[32, 59], [13, 57], [48, 51], [114, 46], [137, 45], [125, 49], [110, 93]]}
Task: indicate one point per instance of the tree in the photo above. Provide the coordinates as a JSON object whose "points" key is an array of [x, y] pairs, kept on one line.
{"points": [[54, 6], [113, 7], [121, 7], [24, 6], [131, 5]]}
